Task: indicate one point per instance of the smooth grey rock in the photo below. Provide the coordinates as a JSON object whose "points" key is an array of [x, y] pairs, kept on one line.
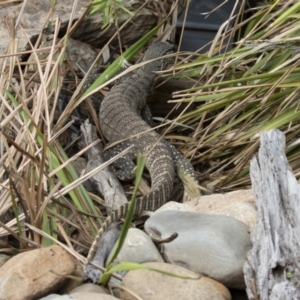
{"points": [[138, 247], [212, 245]]}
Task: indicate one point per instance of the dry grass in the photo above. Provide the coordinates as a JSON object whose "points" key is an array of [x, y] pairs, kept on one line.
{"points": [[252, 87], [43, 200]]}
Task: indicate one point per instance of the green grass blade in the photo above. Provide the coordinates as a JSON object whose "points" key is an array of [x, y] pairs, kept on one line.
{"points": [[128, 219], [66, 175], [119, 62], [130, 266], [15, 210]]}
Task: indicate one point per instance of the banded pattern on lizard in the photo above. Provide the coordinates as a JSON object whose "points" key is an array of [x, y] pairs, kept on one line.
{"points": [[124, 113]]}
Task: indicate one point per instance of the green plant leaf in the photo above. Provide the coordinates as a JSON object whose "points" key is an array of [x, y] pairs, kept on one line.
{"points": [[119, 62], [130, 266], [139, 172]]}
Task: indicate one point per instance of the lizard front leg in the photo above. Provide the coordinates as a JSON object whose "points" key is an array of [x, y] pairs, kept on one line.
{"points": [[124, 167]]}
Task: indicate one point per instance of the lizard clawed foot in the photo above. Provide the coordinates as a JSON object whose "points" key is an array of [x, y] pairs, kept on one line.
{"points": [[92, 273]]}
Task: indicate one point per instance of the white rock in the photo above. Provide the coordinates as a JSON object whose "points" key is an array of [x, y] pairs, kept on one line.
{"points": [[237, 204], [172, 205]]}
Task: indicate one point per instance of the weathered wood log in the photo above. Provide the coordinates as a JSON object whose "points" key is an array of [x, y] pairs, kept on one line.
{"points": [[272, 269], [107, 184], [105, 181]]}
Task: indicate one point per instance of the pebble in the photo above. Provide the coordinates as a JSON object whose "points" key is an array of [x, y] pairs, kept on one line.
{"points": [[32, 274], [212, 245], [149, 285]]}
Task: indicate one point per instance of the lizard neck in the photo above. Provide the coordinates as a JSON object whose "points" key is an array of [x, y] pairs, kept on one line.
{"points": [[148, 76]]}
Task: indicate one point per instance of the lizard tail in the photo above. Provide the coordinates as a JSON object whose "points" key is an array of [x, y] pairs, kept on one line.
{"points": [[115, 216], [160, 164]]}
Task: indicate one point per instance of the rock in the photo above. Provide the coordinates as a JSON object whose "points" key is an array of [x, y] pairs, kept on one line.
{"points": [[220, 287], [72, 283], [56, 297], [138, 247], [238, 204], [238, 294], [148, 284], [36, 12], [212, 245], [35, 273], [80, 56], [171, 205], [3, 259], [89, 288], [80, 296], [33, 18], [92, 296], [144, 20]]}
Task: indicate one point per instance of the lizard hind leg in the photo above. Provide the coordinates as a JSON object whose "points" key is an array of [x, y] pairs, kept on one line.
{"points": [[185, 172], [124, 167]]}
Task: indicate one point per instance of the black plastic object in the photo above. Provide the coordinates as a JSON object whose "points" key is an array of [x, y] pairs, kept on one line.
{"points": [[201, 29]]}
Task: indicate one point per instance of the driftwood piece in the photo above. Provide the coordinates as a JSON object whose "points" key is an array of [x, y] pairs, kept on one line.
{"points": [[106, 183], [272, 269]]}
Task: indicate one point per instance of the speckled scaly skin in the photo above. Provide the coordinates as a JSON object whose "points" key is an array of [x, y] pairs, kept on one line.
{"points": [[124, 113]]}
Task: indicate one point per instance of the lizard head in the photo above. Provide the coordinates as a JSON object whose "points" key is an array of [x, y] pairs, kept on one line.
{"points": [[159, 49]]}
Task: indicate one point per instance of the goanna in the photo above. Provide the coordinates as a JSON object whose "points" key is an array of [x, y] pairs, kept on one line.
{"points": [[123, 114]]}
